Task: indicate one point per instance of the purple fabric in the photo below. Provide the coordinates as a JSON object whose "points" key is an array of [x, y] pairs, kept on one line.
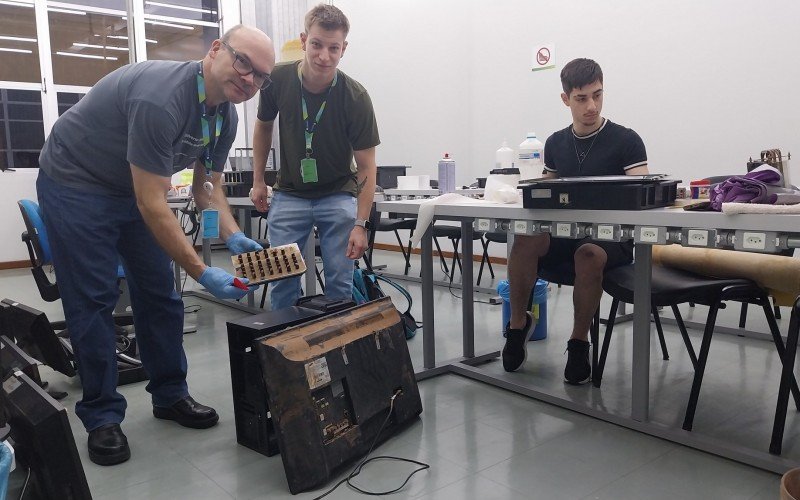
{"points": [[751, 188]]}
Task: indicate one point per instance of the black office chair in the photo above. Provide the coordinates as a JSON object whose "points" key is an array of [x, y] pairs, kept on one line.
{"points": [[38, 245], [671, 287], [395, 225], [261, 231], [787, 379], [743, 311], [453, 233], [486, 239]]}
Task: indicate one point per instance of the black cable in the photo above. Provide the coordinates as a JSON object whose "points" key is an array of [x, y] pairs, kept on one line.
{"points": [[186, 275], [450, 283], [25, 486], [357, 469], [450, 289], [123, 343]]}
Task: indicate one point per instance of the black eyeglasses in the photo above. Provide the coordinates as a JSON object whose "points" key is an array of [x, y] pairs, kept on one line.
{"points": [[244, 68]]}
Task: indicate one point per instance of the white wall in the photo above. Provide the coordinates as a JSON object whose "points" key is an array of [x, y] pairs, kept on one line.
{"points": [[706, 84]]}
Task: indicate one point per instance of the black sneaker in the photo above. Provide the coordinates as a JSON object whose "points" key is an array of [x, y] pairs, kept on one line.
{"points": [[578, 370], [514, 352]]}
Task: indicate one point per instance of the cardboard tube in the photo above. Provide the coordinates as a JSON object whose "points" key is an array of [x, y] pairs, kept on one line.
{"points": [[774, 272]]}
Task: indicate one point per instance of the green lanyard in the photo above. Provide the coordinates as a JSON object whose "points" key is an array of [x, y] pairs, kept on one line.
{"points": [[308, 126], [209, 142]]}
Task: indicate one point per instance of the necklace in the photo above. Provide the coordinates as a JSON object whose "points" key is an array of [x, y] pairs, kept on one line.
{"points": [[582, 156]]}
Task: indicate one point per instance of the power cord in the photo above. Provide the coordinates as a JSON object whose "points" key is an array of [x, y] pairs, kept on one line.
{"points": [[450, 284], [25, 486], [357, 469], [194, 235]]}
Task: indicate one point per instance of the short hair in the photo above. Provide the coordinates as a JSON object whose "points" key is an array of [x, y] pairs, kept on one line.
{"points": [[579, 73], [328, 17], [226, 37]]}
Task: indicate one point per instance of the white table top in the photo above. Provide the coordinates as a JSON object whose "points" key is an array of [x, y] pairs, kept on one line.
{"points": [[665, 217]]}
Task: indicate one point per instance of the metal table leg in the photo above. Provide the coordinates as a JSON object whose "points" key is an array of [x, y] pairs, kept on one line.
{"points": [[467, 311], [640, 386], [310, 256], [428, 335]]}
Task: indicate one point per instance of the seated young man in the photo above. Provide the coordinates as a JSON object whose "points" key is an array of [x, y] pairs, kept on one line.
{"points": [[591, 145]]}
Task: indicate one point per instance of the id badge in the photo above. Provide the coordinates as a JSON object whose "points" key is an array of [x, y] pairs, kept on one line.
{"points": [[308, 170], [210, 220]]}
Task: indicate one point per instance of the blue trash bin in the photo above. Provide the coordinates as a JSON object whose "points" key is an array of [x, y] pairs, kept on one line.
{"points": [[537, 305]]}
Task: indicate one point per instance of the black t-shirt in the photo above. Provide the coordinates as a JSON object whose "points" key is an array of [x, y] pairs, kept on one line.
{"points": [[611, 150]]}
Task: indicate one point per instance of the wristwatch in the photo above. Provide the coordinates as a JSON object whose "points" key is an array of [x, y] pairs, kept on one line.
{"points": [[366, 224]]}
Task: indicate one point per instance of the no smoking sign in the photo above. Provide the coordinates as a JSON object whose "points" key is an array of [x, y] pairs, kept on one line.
{"points": [[544, 57]]}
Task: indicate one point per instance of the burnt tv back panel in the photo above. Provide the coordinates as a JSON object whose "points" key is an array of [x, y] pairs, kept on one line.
{"points": [[329, 384]]}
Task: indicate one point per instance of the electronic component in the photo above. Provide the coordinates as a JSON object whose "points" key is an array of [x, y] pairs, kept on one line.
{"points": [[269, 264]]}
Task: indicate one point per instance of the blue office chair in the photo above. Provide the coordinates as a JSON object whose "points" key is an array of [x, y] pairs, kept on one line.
{"points": [[35, 238]]}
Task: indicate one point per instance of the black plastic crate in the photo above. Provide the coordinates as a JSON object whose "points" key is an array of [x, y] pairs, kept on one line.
{"points": [[634, 192], [386, 176]]}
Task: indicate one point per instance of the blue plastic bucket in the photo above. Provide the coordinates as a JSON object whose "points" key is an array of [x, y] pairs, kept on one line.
{"points": [[537, 303]]}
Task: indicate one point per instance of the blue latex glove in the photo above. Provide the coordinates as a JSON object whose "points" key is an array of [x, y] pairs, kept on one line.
{"points": [[239, 243], [220, 283]]}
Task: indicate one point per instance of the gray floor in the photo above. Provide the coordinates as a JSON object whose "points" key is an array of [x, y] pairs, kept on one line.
{"points": [[481, 442]]}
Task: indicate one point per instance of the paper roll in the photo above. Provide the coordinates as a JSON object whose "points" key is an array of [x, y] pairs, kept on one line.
{"points": [[774, 272]]}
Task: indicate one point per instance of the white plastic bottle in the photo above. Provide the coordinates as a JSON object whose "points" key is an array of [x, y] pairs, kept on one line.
{"points": [[447, 174], [531, 157], [504, 157]]}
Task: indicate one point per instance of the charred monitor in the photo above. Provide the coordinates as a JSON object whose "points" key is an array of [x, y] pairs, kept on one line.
{"points": [[330, 382]]}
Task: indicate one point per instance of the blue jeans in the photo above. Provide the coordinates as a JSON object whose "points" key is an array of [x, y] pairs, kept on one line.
{"points": [[89, 234], [291, 220]]}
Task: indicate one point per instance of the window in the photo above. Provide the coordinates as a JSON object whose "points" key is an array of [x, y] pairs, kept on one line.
{"points": [[21, 130], [87, 40], [180, 30], [66, 100], [19, 48], [86, 45]]}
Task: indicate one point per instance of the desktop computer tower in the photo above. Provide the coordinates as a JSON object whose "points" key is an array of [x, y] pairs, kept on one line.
{"points": [[254, 428]]}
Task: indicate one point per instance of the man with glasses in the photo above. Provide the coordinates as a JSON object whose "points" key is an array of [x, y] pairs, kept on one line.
{"points": [[326, 120], [105, 172]]}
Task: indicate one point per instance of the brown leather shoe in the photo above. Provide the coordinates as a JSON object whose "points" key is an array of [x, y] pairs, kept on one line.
{"points": [[189, 413], [108, 445]]}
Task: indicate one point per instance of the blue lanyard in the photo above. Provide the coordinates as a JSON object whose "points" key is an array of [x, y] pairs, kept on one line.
{"points": [[209, 141], [308, 126]]}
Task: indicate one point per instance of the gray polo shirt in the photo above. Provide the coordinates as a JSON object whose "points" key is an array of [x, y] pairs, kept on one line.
{"points": [[147, 114]]}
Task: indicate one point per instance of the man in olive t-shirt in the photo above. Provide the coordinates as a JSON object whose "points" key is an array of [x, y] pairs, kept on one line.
{"points": [[326, 120]]}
